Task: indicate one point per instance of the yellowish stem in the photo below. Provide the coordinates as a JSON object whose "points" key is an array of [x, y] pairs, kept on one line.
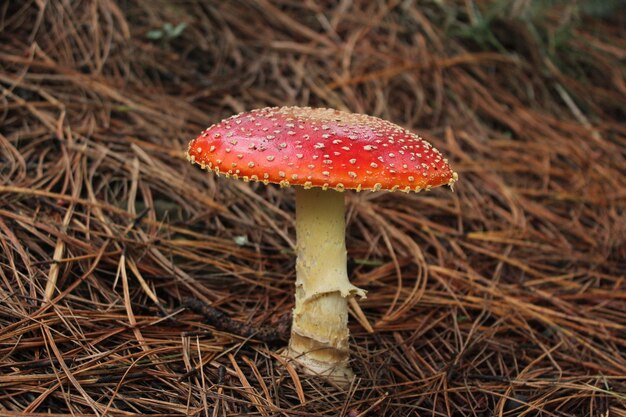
{"points": [[319, 337]]}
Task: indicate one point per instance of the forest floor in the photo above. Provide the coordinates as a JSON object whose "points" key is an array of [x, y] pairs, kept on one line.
{"points": [[505, 297]]}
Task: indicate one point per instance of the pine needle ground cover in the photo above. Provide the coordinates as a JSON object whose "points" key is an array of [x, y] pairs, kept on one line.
{"points": [[133, 283]]}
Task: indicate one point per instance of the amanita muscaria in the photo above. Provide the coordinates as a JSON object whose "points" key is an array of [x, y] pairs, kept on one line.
{"points": [[322, 152]]}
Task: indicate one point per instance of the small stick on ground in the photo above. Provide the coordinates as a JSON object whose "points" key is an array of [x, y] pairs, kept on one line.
{"points": [[222, 322]]}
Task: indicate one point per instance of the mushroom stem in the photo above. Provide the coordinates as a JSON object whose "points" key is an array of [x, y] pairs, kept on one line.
{"points": [[319, 336]]}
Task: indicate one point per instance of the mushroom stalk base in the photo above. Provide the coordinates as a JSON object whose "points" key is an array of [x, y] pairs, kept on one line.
{"points": [[319, 336]]}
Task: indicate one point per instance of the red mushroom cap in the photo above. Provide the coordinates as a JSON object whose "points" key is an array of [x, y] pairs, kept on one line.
{"points": [[320, 148]]}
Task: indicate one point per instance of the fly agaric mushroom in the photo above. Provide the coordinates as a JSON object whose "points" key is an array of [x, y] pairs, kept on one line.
{"points": [[323, 152]]}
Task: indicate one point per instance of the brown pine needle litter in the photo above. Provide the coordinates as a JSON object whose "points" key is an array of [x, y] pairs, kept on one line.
{"points": [[504, 298]]}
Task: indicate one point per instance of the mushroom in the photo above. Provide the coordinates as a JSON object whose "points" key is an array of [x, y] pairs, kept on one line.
{"points": [[322, 152]]}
